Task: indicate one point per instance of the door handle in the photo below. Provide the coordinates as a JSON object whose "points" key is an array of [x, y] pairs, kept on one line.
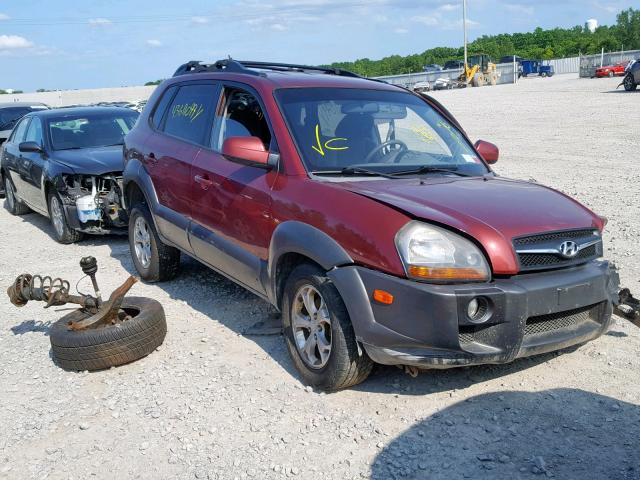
{"points": [[204, 182]]}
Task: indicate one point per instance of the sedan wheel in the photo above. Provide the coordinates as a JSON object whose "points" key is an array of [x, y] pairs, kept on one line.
{"points": [[10, 196], [311, 326], [142, 241], [57, 216], [629, 84]]}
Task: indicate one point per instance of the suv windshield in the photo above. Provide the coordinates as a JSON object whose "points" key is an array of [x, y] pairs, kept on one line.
{"points": [[10, 116], [88, 131], [337, 129]]}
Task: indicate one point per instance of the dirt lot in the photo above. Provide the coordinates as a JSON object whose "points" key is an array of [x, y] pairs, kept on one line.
{"points": [[212, 403]]}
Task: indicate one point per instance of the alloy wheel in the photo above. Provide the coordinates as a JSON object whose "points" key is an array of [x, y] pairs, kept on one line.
{"points": [[142, 242], [311, 325], [628, 82], [57, 216]]}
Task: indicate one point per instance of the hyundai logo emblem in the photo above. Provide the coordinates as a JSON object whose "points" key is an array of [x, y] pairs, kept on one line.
{"points": [[568, 249]]}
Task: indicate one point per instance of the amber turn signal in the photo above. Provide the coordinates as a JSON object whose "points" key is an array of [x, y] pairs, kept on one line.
{"points": [[430, 273], [383, 297]]}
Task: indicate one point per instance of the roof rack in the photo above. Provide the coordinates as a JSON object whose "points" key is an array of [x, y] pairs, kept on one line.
{"points": [[251, 68]]}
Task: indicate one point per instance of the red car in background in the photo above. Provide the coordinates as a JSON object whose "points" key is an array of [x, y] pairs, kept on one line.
{"points": [[611, 70]]}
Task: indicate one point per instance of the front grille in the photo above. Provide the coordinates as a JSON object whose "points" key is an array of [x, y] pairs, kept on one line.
{"points": [[562, 320], [547, 237], [529, 260], [551, 241]]}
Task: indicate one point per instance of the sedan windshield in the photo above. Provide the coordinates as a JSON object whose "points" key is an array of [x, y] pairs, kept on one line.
{"points": [[342, 131], [98, 129]]}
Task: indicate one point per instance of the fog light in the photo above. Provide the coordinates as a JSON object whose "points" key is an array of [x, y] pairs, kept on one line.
{"points": [[477, 309]]}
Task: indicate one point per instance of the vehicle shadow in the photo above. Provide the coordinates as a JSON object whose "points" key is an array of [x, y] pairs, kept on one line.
{"points": [[562, 433]]}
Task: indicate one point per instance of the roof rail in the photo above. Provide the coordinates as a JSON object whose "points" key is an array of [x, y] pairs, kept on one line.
{"points": [[251, 67]]}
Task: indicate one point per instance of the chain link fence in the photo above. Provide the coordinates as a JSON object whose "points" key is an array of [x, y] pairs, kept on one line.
{"points": [[589, 63]]}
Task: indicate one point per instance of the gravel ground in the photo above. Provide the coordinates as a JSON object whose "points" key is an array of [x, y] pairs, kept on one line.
{"points": [[212, 403]]}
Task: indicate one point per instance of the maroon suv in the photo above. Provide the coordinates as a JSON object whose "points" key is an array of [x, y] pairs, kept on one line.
{"points": [[364, 213]]}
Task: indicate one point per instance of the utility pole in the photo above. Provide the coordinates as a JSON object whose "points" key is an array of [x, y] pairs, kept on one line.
{"points": [[464, 28]]}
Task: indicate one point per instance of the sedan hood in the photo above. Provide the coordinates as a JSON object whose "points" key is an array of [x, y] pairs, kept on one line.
{"points": [[91, 161], [491, 210]]}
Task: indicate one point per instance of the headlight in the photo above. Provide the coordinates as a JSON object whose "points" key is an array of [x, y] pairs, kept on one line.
{"points": [[437, 255]]}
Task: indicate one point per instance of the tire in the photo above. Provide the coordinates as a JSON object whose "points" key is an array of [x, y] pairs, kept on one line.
{"points": [[154, 261], [13, 205], [543, 74], [629, 84], [344, 365], [62, 232], [113, 345], [611, 74]]}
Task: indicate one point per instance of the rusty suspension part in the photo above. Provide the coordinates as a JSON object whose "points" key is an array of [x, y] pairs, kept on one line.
{"points": [[55, 292], [628, 306]]}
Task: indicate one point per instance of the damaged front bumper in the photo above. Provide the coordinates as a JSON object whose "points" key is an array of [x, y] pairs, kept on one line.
{"points": [[429, 326], [94, 204]]}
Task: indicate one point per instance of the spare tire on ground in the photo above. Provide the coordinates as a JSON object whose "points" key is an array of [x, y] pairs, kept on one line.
{"points": [[141, 328]]}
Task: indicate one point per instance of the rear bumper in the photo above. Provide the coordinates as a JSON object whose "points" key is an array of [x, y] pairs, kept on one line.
{"points": [[427, 325]]}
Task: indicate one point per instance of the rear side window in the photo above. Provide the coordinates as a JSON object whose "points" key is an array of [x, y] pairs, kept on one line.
{"points": [[190, 113], [161, 109], [18, 133]]}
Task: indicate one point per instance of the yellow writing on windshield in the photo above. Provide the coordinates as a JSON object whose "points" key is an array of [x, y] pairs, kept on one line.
{"points": [[187, 110], [453, 133], [320, 147], [425, 134]]}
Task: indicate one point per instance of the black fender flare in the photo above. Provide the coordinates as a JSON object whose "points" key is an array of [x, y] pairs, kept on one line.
{"points": [[134, 173], [303, 239]]}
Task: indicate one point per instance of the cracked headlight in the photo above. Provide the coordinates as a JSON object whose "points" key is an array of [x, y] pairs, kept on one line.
{"points": [[433, 254]]}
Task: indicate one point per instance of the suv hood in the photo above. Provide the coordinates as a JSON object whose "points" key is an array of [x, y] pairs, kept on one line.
{"points": [[491, 210], [91, 161]]}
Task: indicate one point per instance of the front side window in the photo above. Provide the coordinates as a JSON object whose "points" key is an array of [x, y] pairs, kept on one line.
{"points": [[34, 133], [240, 115], [190, 112], [19, 131], [341, 128], [99, 129], [161, 108]]}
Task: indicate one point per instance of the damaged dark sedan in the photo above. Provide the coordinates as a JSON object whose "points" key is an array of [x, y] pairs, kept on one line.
{"points": [[67, 164]]}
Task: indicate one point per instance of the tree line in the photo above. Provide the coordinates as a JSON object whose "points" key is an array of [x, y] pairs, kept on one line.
{"points": [[539, 44]]}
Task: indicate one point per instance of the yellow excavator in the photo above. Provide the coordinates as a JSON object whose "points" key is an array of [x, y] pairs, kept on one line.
{"points": [[478, 71]]}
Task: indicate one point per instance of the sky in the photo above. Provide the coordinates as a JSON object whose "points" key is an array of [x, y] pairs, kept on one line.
{"points": [[64, 44]]}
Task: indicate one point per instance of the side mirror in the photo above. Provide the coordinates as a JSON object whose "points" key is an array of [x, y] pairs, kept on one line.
{"points": [[33, 147], [488, 151], [249, 150]]}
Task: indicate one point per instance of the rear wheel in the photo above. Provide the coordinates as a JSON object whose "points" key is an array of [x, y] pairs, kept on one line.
{"points": [[629, 83], [611, 74], [318, 332], [154, 261], [11, 202], [61, 230]]}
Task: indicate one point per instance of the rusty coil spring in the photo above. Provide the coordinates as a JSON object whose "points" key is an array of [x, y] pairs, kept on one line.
{"points": [[35, 287]]}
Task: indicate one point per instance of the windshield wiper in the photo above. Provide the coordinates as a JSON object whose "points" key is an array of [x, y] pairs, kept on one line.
{"points": [[113, 144], [432, 169], [354, 171], [69, 148]]}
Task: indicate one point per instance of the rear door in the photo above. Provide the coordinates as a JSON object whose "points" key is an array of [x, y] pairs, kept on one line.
{"points": [[232, 222], [31, 167], [181, 122], [12, 156]]}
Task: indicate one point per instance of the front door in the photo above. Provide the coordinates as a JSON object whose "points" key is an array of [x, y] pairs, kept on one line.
{"points": [[232, 222], [13, 159], [31, 167]]}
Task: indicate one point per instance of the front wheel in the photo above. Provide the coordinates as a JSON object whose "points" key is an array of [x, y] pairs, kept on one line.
{"points": [[61, 230], [319, 333], [629, 83], [154, 261], [611, 74]]}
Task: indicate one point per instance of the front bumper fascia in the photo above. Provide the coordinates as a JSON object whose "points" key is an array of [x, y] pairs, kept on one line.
{"points": [[423, 326]]}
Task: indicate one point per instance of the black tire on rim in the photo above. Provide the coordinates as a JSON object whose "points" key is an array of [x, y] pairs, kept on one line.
{"points": [[112, 345], [611, 74], [318, 332], [62, 232], [154, 261], [629, 83], [11, 202]]}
